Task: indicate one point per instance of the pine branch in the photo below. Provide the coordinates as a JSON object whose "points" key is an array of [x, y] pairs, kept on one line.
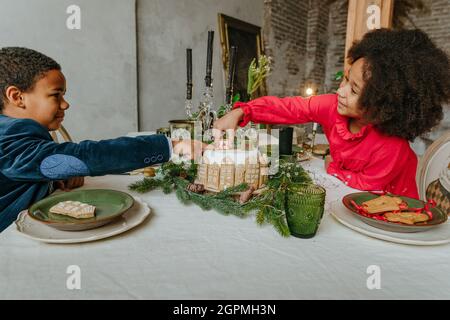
{"points": [[229, 192], [260, 218], [145, 185]]}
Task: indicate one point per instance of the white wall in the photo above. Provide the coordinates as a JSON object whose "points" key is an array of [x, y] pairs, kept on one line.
{"points": [[99, 61], [165, 29]]}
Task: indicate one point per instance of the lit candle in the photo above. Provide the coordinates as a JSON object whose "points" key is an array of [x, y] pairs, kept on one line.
{"points": [[209, 57], [189, 73], [231, 71]]}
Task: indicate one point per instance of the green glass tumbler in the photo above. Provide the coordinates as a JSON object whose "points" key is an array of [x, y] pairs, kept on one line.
{"points": [[304, 209]]}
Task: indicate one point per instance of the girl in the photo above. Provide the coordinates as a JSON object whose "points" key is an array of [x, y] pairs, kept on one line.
{"points": [[393, 92]]}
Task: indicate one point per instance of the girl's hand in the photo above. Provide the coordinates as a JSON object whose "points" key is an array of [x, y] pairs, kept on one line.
{"points": [[328, 160], [69, 184], [228, 123]]}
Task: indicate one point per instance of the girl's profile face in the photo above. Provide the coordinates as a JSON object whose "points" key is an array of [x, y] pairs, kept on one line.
{"points": [[45, 101], [350, 90]]}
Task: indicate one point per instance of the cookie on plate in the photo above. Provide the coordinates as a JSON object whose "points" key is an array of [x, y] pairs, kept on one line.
{"points": [[406, 217], [74, 209], [382, 204]]}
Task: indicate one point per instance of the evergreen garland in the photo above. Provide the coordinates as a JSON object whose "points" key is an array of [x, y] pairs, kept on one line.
{"points": [[269, 205]]}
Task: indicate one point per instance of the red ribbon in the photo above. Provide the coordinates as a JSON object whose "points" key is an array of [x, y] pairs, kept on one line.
{"points": [[360, 209], [426, 208], [379, 193], [363, 211]]}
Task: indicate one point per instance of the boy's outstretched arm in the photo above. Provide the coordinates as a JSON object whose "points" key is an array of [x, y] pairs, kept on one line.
{"points": [[28, 153]]}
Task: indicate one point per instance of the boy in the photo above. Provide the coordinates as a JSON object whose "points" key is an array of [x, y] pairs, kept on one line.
{"points": [[32, 104]]}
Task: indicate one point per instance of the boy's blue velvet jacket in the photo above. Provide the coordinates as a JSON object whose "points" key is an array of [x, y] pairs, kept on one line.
{"points": [[30, 160]]}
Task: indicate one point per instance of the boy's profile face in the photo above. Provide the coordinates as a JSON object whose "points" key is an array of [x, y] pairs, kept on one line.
{"points": [[44, 102], [350, 90]]}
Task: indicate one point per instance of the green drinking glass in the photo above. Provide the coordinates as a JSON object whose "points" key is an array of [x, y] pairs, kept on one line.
{"points": [[304, 209]]}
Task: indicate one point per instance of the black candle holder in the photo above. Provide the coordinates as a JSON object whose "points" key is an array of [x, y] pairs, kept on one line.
{"points": [[285, 140]]}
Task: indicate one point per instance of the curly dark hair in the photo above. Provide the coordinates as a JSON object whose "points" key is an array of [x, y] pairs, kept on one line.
{"points": [[407, 81], [22, 67]]}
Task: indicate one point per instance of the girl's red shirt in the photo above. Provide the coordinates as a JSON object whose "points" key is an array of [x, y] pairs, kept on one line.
{"points": [[367, 160]]}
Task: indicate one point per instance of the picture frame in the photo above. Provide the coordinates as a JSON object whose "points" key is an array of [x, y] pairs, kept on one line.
{"points": [[248, 39]]}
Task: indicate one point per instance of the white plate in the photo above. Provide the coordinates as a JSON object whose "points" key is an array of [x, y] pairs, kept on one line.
{"points": [[436, 236], [33, 229]]}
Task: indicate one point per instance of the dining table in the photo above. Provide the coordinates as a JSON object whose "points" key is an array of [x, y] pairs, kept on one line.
{"points": [[183, 252]]}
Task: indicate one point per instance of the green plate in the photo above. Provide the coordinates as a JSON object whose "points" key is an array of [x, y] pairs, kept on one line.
{"points": [[109, 205], [359, 197]]}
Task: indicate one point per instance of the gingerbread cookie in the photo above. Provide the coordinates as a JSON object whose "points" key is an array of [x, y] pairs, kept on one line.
{"points": [[382, 204], [406, 217]]}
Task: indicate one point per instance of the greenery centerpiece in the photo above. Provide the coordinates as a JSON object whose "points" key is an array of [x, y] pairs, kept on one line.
{"points": [[268, 205]]}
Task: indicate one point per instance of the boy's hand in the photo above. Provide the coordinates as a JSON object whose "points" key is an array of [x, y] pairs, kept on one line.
{"points": [[69, 184], [188, 149]]}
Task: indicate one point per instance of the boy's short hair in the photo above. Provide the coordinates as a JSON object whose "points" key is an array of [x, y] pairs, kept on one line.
{"points": [[22, 67], [407, 81]]}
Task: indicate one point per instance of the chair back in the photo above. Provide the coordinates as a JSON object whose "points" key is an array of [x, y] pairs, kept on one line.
{"points": [[61, 133], [435, 159]]}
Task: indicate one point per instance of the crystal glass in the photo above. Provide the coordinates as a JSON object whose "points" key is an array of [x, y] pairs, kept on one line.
{"points": [[304, 209]]}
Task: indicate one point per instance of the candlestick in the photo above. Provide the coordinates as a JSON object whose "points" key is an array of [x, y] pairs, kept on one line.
{"points": [[189, 73], [231, 72], [206, 113], [209, 58], [188, 103]]}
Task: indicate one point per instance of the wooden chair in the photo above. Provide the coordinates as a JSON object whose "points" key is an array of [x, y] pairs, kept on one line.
{"points": [[61, 132]]}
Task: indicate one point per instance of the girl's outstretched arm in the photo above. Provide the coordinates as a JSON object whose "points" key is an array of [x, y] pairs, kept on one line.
{"points": [[274, 110], [289, 110]]}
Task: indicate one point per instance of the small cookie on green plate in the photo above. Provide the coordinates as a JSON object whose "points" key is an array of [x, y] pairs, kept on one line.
{"points": [[74, 209]]}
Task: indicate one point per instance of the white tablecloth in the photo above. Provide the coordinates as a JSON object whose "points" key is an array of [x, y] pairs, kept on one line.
{"points": [[182, 252]]}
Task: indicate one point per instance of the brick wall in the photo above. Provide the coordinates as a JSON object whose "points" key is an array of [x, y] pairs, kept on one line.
{"points": [[337, 28], [435, 22], [306, 39], [317, 41], [285, 34]]}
